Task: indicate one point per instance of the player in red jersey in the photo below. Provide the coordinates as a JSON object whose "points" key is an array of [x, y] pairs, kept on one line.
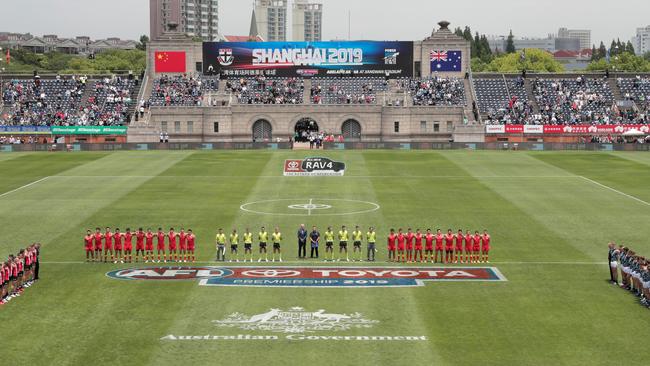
{"points": [[401, 246], [476, 246], [149, 246], [182, 245], [439, 238], [409, 245], [117, 239], [190, 245], [468, 247], [108, 244], [97, 237], [449, 246], [88, 246], [418, 246], [458, 253], [173, 250], [429, 246], [160, 245], [139, 245], [128, 245], [485, 247], [391, 245]]}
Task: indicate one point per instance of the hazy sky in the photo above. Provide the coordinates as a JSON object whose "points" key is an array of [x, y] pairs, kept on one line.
{"points": [[371, 19]]}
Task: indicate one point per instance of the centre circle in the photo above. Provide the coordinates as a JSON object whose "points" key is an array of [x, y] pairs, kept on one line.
{"points": [[309, 207]]}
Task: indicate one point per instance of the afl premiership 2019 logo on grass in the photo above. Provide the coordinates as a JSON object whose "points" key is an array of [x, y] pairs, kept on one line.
{"points": [[313, 167], [332, 277]]}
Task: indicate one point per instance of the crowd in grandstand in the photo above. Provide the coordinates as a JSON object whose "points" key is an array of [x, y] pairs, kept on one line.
{"points": [[59, 101], [38, 102], [406, 247], [634, 271], [435, 91], [267, 90], [18, 272], [118, 246], [346, 90], [177, 91]]}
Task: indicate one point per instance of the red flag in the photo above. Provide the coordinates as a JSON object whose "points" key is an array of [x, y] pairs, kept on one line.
{"points": [[8, 57], [170, 61]]}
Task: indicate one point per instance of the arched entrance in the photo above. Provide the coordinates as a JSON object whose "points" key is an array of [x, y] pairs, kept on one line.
{"points": [[351, 130], [262, 130], [304, 128]]}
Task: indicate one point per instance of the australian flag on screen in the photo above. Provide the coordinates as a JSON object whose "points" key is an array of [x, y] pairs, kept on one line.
{"points": [[446, 60]]}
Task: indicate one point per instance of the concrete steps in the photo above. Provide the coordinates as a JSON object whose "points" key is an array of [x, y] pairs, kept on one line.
{"points": [[616, 91], [307, 92], [531, 95]]}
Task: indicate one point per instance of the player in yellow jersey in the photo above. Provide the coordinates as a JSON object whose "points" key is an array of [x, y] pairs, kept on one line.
{"points": [[329, 244], [343, 243], [248, 244], [357, 237], [371, 235], [220, 241], [234, 245], [263, 238], [277, 241]]}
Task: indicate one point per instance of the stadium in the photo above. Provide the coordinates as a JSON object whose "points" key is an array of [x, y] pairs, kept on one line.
{"points": [[341, 202]]}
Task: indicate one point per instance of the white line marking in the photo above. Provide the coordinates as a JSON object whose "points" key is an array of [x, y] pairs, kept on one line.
{"points": [[338, 177], [339, 264], [615, 191], [310, 206], [25, 186]]}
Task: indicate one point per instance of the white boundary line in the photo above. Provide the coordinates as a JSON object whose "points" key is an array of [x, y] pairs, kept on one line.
{"points": [[25, 186], [615, 191], [339, 177]]}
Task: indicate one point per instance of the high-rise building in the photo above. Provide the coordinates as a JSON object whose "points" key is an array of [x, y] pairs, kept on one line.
{"points": [[271, 16], [584, 35], [199, 18], [307, 21], [641, 41]]}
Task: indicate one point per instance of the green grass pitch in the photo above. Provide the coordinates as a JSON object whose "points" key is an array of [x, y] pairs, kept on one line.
{"points": [[550, 216]]}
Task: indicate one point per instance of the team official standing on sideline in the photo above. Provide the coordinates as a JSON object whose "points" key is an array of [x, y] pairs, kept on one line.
{"points": [[357, 237], [314, 238], [234, 245], [302, 242]]}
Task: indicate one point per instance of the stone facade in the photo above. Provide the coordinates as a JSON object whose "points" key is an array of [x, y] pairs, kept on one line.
{"points": [[236, 122]]}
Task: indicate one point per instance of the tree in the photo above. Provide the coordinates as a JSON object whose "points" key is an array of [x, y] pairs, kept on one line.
{"points": [[623, 62], [536, 60], [594, 54], [142, 45], [629, 48], [602, 51], [510, 44]]}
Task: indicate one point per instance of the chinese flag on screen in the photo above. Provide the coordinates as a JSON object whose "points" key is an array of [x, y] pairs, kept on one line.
{"points": [[170, 61]]}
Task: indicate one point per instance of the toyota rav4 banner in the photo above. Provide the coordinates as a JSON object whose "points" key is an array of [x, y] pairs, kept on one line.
{"points": [[313, 167]]}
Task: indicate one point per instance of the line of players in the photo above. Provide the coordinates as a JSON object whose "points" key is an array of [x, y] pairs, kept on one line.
{"points": [[18, 272], [118, 246], [407, 247], [635, 271], [403, 247]]}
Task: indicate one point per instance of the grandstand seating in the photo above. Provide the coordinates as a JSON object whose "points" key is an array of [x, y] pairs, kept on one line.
{"points": [[267, 90], [42, 102], [636, 89], [362, 90], [109, 102], [571, 101], [436, 91], [181, 90]]}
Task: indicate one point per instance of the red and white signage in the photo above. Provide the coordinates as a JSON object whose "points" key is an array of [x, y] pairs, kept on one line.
{"points": [[564, 129]]}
